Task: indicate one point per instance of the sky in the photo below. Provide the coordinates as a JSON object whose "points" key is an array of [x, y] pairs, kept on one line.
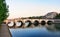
{"points": [[27, 8]]}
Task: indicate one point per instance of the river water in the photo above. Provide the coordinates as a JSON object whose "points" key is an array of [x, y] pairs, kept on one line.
{"points": [[52, 30]]}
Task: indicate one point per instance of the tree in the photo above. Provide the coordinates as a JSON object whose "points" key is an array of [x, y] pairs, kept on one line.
{"points": [[58, 16], [3, 11]]}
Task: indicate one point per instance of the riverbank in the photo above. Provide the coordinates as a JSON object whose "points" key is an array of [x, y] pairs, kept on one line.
{"points": [[4, 31]]}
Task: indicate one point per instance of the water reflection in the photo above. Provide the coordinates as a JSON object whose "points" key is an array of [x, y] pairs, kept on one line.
{"points": [[53, 27], [52, 30]]}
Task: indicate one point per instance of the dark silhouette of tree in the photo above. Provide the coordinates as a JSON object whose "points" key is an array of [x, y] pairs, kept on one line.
{"points": [[35, 17], [3, 11], [58, 16]]}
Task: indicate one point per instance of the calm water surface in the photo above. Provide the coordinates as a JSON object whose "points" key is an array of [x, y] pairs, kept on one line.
{"points": [[42, 31]]}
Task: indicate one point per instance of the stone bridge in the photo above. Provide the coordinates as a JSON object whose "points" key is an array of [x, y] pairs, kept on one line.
{"points": [[17, 23]]}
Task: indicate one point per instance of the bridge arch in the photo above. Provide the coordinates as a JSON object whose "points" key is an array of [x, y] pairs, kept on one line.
{"points": [[49, 22], [28, 23], [36, 23], [43, 22], [11, 24], [19, 24]]}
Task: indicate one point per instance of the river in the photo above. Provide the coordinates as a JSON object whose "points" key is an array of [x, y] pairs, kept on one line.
{"points": [[52, 30]]}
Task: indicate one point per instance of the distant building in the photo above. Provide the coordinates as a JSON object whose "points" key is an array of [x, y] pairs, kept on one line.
{"points": [[51, 15]]}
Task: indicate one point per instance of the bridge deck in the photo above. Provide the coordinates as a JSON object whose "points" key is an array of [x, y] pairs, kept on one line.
{"points": [[4, 31]]}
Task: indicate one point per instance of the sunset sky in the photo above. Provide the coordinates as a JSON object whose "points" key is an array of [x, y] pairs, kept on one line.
{"points": [[26, 8]]}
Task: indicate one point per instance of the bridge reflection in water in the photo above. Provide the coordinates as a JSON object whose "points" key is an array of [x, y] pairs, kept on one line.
{"points": [[50, 26], [54, 27]]}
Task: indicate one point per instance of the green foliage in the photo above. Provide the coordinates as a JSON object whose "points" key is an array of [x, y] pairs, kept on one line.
{"points": [[58, 16], [35, 17], [3, 11]]}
